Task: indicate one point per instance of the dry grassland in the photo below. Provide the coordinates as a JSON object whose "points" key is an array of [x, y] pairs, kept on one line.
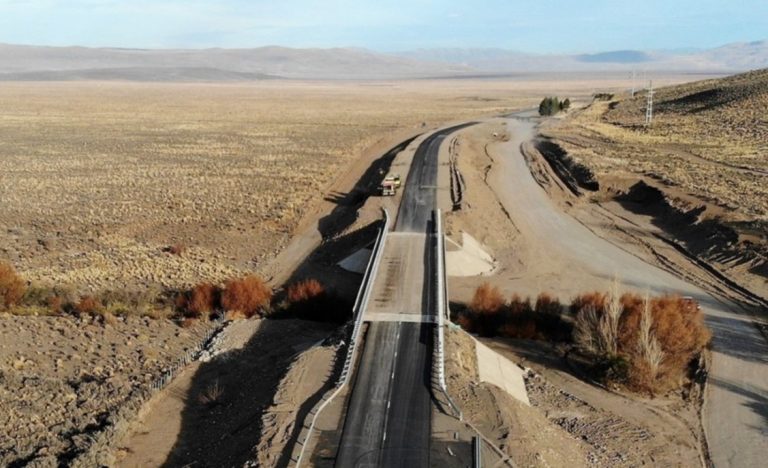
{"points": [[708, 138], [96, 179]]}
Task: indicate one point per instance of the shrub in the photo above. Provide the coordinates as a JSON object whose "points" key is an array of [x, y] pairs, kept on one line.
{"points": [[659, 338], [203, 300], [553, 105], [176, 249], [484, 312], [189, 322], [304, 290], [549, 319], [12, 287], [595, 299], [310, 300], [55, 304], [248, 294], [517, 320], [212, 395], [88, 305]]}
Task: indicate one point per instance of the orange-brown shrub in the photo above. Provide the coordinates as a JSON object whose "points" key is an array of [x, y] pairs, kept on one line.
{"points": [[677, 325], [203, 299], [189, 322], [489, 315], [88, 305], [594, 299], [546, 304], [55, 304], [177, 249], [12, 287], [487, 300], [310, 300], [484, 312], [248, 294], [304, 290]]}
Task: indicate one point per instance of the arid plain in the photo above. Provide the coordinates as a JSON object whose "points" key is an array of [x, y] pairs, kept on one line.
{"points": [[99, 182]]}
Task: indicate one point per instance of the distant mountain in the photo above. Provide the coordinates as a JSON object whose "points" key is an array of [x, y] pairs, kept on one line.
{"points": [[74, 63], [728, 58], [81, 63], [618, 56]]}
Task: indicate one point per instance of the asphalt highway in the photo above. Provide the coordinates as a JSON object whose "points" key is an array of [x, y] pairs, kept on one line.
{"points": [[388, 421]]}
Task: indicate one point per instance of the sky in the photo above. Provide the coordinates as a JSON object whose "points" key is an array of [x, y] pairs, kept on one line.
{"points": [[537, 26]]}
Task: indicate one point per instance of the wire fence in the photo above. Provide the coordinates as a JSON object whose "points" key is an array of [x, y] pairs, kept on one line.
{"points": [[99, 451]]}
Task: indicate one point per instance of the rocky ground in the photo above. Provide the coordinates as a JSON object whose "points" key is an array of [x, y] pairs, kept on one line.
{"points": [[62, 378]]}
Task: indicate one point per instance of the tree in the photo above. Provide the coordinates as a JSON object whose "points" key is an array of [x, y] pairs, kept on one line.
{"points": [[553, 105]]}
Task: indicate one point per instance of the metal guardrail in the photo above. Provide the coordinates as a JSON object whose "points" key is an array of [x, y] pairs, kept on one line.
{"points": [[443, 315], [477, 450], [361, 303], [442, 310]]}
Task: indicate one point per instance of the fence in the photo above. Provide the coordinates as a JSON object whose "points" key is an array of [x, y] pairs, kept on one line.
{"points": [[99, 451]]}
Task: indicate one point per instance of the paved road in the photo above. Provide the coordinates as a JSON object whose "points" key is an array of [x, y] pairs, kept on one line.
{"points": [[736, 414], [388, 421]]}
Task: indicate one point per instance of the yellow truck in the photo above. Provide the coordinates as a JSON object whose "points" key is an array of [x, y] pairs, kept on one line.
{"points": [[393, 178]]}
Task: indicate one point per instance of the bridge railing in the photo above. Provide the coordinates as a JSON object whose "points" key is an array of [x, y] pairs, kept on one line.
{"points": [[358, 311], [442, 310], [443, 314]]}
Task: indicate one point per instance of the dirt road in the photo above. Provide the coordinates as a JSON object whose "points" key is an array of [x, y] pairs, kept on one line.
{"points": [[562, 254]]}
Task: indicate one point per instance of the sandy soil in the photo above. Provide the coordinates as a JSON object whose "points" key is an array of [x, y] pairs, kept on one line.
{"points": [[263, 379], [521, 431]]}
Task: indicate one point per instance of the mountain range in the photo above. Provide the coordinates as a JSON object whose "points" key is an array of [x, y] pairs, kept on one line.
{"points": [[41, 63]]}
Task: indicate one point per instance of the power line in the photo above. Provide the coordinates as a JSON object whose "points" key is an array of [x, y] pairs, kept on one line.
{"points": [[649, 105]]}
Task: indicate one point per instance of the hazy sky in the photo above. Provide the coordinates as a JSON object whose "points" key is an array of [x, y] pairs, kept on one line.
{"points": [[386, 25]]}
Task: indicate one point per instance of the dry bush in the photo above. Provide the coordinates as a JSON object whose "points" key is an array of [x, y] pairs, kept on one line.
{"points": [[594, 299], [189, 322], [489, 315], [203, 300], [656, 339], [234, 315], [549, 319], [518, 320], [542, 321], [487, 300], [310, 300], [249, 294], [88, 305], [12, 287], [176, 249], [108, 318], [55, 304], [304, 290], [546, 304], [484, 312], [212, 395]]}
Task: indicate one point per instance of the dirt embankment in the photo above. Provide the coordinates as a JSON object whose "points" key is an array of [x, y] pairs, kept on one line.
{"points": [[573, 173], [522, 432], [734, 250]]}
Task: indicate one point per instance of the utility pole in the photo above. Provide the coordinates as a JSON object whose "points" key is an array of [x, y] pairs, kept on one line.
{"points": [[649, 105], [634, 75]]}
